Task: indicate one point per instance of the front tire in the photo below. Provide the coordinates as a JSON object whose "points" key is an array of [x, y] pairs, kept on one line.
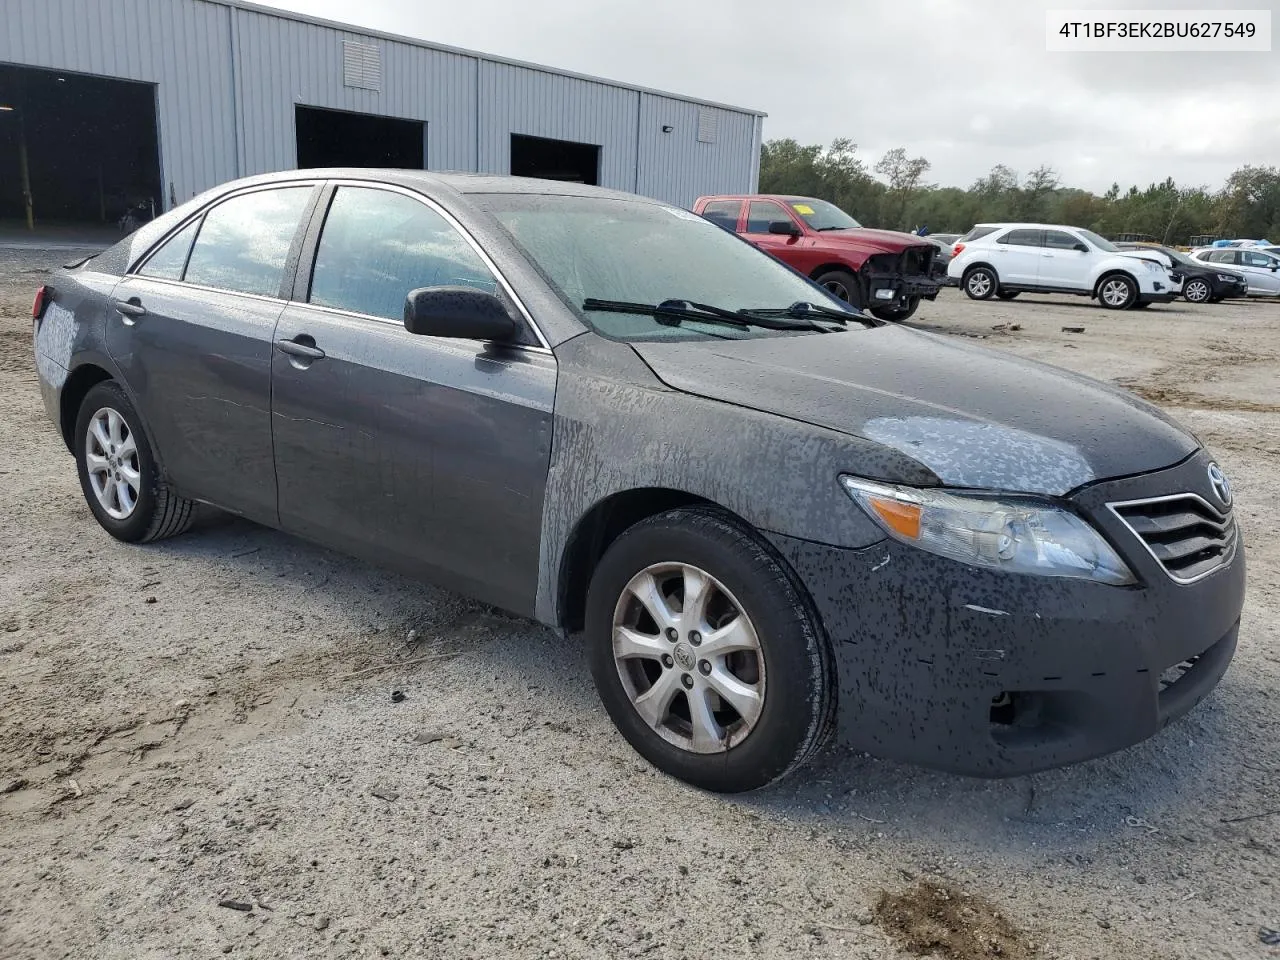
{"points": [[118, 473], [1117, 292], [897, 314], [1197, 291], [706, 654], [980, 283], [842, 285]]}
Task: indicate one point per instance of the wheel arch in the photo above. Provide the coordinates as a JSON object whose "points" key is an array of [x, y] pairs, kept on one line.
{"points": [[599, 527], [81, 380], [844, 265], [970, 267], [1110, 272]]}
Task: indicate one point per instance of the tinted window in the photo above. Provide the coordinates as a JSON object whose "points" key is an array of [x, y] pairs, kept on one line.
{"points": [[1059, 240], [761, 213], [723, 213], [1021, 238], [377, 246], [977, 233], [245, 240], [168, 262]]}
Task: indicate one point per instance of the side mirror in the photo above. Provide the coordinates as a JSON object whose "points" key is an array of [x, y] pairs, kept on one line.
{"points": [[463, 313], [1083, 248], [785, 228]]}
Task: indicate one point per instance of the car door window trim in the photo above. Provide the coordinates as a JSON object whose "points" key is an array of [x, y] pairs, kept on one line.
{"points": [[542, 345]]}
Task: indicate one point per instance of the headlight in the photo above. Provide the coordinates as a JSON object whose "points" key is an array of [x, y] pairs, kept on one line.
{"points": [[1223, 278], [1016, 535], [1152, 265]]}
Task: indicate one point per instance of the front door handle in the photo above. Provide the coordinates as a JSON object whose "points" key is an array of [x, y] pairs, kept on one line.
{"points": [[130, 309], [299, 347]]}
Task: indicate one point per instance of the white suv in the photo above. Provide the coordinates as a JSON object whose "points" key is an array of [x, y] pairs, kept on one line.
{"points": [[1005, 259]]}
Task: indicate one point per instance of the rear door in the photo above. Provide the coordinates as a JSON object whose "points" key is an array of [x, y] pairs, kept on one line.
{"points": [[1061, 264], [192, 337], [723, 213], [1016, 255], [426, 454]]}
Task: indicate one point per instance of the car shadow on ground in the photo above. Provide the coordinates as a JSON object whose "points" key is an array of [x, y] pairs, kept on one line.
{"points": [[1166, 779]]}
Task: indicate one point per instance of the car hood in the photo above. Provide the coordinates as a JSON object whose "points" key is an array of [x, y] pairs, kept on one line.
{"points": [[974, 417], [1153, 256], [875, 241]]}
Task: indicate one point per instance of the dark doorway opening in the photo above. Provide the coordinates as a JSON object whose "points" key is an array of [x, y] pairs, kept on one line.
{"points": [[555, 159], [339, 138], [76, 148]]}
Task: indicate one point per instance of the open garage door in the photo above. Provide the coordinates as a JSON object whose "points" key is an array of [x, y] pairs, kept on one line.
{"points": [[555, 159], [77, 149], [340, 138]]}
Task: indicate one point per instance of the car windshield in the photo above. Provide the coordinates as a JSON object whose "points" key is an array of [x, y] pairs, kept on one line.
{"points": [[1102, 243], [1177, 256], [640, 252], [820, 215]]}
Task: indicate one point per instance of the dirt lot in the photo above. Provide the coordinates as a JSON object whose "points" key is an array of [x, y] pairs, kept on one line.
{"points": [[199, 754]]}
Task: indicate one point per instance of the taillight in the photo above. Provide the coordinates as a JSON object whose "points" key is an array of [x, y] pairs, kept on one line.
{"points": [[956, 250], [43, 296]]}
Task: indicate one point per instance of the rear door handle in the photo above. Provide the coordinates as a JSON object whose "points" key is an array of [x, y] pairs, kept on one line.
{"points": [[298, 348], [130, 308]]}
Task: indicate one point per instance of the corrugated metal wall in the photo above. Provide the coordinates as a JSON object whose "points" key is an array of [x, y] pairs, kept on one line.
{"points": [[227, 80]]}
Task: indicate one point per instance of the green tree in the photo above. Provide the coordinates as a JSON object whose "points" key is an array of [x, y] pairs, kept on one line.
{"points": [[903, 174]]}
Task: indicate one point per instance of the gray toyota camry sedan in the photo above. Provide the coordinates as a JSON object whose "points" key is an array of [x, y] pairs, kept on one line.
{"points": [[770, 518]]}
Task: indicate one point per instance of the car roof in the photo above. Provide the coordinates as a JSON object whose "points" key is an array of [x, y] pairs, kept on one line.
{"points": [[455, 181], [782, 197], [1031, 226]]}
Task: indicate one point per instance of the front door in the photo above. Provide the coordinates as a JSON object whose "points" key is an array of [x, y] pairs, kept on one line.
{"points": [[1261, 270], [761, 213], [1061, 264], [192, 337], [423, 453]]}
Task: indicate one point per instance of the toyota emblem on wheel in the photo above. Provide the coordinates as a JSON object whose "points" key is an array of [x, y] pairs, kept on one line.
{"points": [[1221, 486]]}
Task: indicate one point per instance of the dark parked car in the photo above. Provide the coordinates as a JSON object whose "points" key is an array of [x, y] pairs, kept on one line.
{"points": [[1201, 282], [768, 516], [883, 271]]}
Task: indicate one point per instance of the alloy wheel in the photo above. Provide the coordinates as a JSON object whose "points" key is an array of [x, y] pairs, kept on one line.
{"points": [[689, 657], [837, 289], [1115, 292], [1197, 291], [111, 458], [979, 285]]}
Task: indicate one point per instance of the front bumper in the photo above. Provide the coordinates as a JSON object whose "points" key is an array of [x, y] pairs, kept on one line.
{"points": [[896, 291], [989, 674]]}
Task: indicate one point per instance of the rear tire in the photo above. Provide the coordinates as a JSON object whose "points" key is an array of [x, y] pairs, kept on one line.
{"points": [[1117, 291], [842, 285], [119, 476], [980, 283], [749, 608]]}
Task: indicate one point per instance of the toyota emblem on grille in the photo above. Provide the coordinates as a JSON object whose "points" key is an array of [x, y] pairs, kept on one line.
{"points": [[1221, 487]]}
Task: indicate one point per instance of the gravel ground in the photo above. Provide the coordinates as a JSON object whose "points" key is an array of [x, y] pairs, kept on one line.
{"points": [[200, 750]]}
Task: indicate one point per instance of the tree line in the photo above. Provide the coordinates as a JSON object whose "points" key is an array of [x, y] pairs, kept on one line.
{"points": [[893, 194]]}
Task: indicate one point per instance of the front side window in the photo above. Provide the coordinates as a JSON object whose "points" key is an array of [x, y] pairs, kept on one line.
{"points": [[1059, 240], [643, 252], [723, 213], [1251, 259], [761, 213], [377, 246], [170, 260], [244, 242]]}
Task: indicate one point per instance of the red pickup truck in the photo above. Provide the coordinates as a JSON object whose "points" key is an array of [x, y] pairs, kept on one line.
{"points": [[884, 271]]}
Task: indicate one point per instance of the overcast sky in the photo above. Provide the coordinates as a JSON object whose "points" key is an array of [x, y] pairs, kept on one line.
{"points": [[965, 83]]}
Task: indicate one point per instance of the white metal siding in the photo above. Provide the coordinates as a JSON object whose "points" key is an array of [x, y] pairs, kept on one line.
{"points": [[679, 166], [180, 47], [227, 80]]}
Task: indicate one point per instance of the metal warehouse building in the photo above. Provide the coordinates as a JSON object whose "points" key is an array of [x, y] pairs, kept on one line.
{"points": [[108, 104]]}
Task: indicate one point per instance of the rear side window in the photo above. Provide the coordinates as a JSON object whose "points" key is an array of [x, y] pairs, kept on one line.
{"points": [[1022, 238], [761, 213], [244, 242], [1222, 256], [977, 233], [170, 260], [377, 246], [1060, 240], [723, 213]]}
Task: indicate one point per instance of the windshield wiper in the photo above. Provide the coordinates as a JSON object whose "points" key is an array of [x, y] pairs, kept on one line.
{"points": [[674, 311], [805, 310], [821, 229]]}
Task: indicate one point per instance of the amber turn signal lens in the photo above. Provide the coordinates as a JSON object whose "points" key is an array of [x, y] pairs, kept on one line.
{"points": [[902, 518]]}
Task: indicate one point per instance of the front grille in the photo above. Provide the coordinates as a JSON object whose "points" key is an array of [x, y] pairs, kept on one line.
{"points": [[1187, 535]]}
